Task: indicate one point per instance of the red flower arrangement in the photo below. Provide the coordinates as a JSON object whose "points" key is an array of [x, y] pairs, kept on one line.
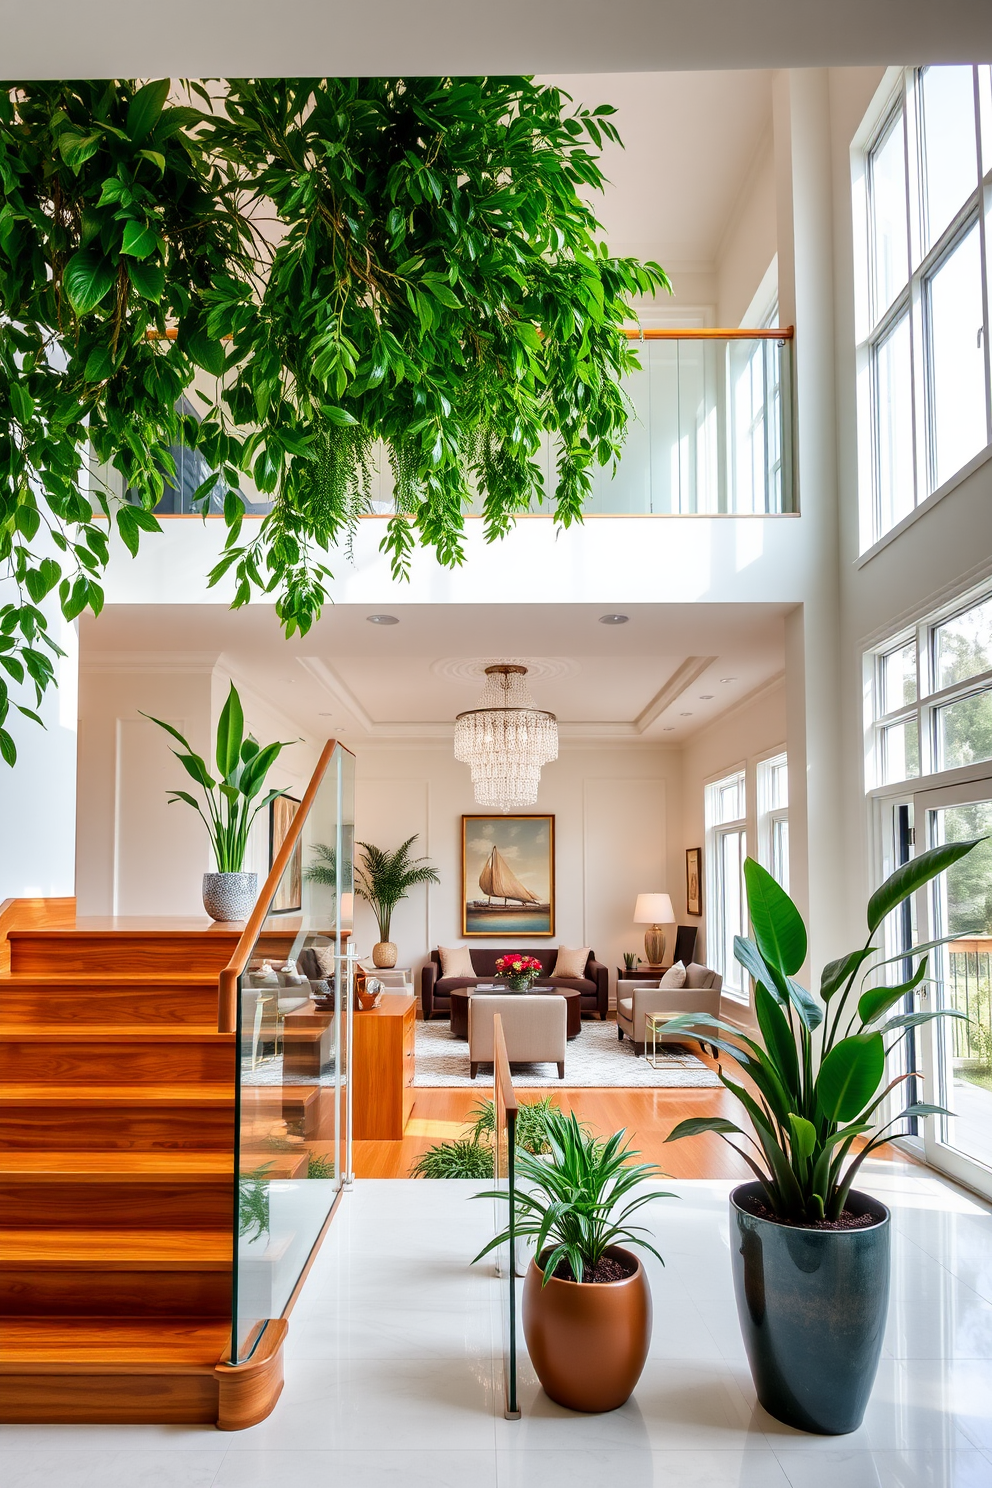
{"points": [[519, 970]]}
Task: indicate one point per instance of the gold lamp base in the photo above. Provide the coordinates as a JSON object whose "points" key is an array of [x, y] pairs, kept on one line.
{"points": [[654, 945]]}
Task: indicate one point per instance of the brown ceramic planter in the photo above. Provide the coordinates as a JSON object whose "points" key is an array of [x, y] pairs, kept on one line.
{"points": [[587, 1340]]}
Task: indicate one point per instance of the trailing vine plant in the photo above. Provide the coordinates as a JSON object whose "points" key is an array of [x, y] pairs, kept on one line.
{"points": [[328, 264]]}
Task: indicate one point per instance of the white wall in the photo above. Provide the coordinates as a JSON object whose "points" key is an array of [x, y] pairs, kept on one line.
{"points": [[38, 796], [750, 241], [136, 854], [617, 823], [754, 730]]}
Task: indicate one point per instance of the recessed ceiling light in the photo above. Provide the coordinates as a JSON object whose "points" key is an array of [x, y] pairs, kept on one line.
{"points": [[613, 619], [728, 679], [325, 715], [669, 728], [382, 619], [705, 697], [685, 715]]}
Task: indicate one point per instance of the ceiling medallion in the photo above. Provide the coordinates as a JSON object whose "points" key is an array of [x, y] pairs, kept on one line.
{"points": [[506, 740]]}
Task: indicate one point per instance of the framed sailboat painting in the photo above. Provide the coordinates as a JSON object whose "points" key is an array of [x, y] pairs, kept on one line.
{"points": [[508, 875]]}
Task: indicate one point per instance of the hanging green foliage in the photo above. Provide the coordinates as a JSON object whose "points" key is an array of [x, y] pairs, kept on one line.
{"points": [[329, 263]]}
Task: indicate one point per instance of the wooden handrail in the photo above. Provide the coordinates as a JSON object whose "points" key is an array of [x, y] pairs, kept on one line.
{"points": [[227, 984], [709, 333], [633, 333]]}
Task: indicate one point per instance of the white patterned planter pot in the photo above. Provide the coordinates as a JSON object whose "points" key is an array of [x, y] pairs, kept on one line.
{"points": [[229, 896]]}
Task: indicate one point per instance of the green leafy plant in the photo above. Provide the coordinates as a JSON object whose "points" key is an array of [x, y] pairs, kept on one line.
{"points": [[463, 1158], [383, 878], [817, 1072], [253, 1203], [242, 765], [319, 1165], [630, 960], [433, 284], [531, 1127], [579, 1204]]}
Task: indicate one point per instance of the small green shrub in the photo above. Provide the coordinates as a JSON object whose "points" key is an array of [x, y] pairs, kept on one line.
{"points": [[463, 1158], [532, 1123]]}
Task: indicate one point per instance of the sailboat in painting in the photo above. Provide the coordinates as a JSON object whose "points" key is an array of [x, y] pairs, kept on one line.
{"points": [[498, 881]]}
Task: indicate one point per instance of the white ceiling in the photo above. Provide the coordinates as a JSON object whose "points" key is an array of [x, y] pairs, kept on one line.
{"points": [[224, 38], [671, 670], [689, 139]]}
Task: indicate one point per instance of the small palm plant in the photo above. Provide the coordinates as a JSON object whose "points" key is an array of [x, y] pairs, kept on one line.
{"points": [[580, 1204], [242, 765], [384, 878], [815, 1076]]}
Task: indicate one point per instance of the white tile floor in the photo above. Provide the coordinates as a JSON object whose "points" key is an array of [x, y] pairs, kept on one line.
{"points": [[393, 1375]]}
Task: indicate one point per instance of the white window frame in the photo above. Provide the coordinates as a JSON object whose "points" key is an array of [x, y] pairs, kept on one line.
{"points": [[770, 817], [900, 96], [929, 698], [735, 985]]}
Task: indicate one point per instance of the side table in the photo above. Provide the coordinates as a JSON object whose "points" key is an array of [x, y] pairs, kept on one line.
{"points": [[642, 973], [654, 1027]]}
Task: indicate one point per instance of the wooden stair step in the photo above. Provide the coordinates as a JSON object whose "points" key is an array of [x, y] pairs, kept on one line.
{"points": [[157, 1273], [179, 997], [116, 946], [185, 1188], [96, 1052], [108, 1343], [77, 1117], [276, 1164]]}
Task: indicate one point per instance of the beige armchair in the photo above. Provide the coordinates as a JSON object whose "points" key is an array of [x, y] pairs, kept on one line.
{"points": [[700, 994], [534, 1028]]}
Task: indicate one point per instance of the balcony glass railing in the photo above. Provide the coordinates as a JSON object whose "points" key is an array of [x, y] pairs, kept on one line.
{"points": [[287, 995], [712, 434]]}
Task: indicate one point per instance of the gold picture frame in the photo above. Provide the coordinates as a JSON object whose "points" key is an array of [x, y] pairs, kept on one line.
{"points": [[515, 854], [289, 895], [694, 881]]}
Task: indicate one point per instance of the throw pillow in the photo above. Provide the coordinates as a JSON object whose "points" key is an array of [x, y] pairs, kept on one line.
{"points": [[324, 956], [697, 977], [674, 976], [571, 963], [456, 961]]}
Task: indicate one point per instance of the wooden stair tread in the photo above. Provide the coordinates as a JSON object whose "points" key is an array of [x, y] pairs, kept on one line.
{"points": [[99, 1033], [106, 1344], [117, 1095], [83, 1167], [114, 980], [124, 1250]]}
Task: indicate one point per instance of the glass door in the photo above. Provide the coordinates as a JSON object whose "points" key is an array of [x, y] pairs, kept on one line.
{"points": [[957, 1052]]}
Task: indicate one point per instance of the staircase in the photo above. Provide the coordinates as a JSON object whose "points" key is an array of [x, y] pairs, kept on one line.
{"points": [[117, 1195]]}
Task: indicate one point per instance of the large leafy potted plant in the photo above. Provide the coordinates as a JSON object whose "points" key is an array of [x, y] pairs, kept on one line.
{"points": [[242, 765], [586, 1301], [810, 1253]]}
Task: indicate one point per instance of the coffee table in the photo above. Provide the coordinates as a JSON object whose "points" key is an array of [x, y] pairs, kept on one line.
{"points": [[461, 995]]}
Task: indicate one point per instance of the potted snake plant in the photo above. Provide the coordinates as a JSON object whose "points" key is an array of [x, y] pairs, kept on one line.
{"points": [[586, 1300], [810, 1252], [242, 765]]}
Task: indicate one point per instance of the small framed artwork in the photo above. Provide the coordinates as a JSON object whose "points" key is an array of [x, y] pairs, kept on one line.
{"points": [[508, 875], [289, 895], [694, 880]]}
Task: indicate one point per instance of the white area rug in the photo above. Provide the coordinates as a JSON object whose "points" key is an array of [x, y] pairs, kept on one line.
{"points": [[594, 1058]]}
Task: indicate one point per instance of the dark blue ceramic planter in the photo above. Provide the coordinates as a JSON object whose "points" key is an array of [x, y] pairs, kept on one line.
{"points": [[812, 1305]]}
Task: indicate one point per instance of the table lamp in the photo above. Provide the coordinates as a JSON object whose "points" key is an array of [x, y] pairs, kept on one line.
{"points": [[654, 910]]}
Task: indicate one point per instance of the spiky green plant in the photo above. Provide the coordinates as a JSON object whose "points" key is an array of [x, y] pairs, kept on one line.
{"points": [[242, 765], [462, 1158], [319, 1165], [253, 1203], [531, 1128], [580, 1203], [815, 1076]]}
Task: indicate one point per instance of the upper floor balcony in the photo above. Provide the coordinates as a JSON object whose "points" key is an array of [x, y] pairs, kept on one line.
{"points": [[712, 434]]}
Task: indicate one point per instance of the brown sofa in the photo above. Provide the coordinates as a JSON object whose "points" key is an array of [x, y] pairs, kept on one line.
{"points": [[435, 990]]}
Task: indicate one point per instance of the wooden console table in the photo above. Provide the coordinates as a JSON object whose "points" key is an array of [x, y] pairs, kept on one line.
{"points": [[382, 1068]]}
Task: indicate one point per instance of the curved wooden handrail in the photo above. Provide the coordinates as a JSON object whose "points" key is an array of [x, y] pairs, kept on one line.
{"points": [[227, 985], [709, 333]]}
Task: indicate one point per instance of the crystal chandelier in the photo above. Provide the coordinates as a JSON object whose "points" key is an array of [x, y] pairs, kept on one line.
{"points": [[506, 740]]}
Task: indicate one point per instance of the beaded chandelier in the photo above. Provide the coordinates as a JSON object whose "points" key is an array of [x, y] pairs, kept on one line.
{"points": [[506, 740]]}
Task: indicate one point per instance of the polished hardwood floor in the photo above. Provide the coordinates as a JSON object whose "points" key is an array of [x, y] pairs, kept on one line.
{"points": [[646, 1115]]}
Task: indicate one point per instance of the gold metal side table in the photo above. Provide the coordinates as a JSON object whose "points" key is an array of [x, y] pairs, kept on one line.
{"points": [[654, 1027]]}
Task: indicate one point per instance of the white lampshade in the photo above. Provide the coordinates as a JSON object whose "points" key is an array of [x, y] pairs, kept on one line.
{"points": [[653, 909]]}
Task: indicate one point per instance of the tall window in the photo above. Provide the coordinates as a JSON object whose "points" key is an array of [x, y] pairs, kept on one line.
{"points": [[773, 817], [925, 404], [929, 694], [726, 849]]}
